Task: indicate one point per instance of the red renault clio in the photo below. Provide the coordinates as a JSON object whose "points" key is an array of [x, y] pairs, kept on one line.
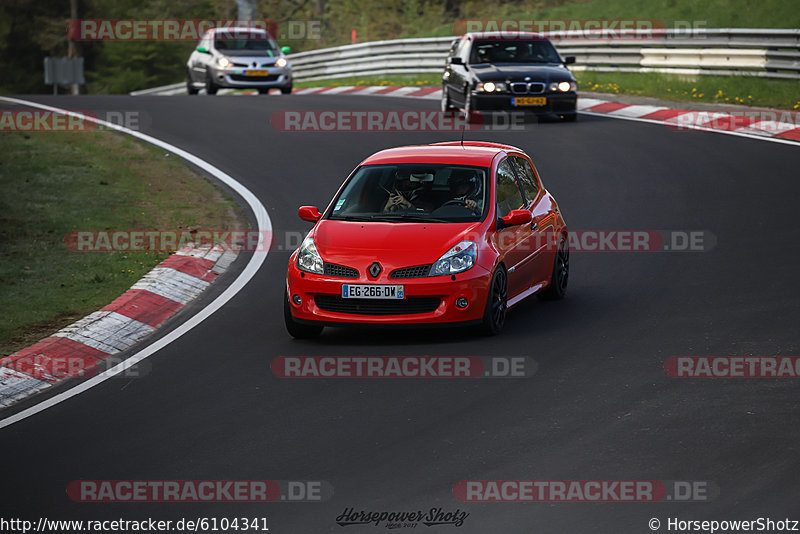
{"points": [[449, 233]]}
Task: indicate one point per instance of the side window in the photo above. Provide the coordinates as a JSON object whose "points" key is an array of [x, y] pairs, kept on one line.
{"points": [[526, 176], [509, 196]]}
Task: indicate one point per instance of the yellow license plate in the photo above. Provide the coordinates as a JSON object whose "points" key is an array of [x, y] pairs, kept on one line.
{"points": [[529, 101], [257, 73]]}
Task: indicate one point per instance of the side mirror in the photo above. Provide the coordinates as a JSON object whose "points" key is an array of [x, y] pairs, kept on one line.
{"points": [[203, 50], [456, 61], [309, 213], [286, 49], [516, 217], [569, 60]]}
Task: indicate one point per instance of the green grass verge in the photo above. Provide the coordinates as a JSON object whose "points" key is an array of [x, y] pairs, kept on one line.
{"points": [[54, 183], [743, 90], [422, 80]]}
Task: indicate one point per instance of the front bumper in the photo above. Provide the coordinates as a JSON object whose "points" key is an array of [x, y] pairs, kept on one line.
{"points": [[472, 285], [236, 77], [557, 103]]}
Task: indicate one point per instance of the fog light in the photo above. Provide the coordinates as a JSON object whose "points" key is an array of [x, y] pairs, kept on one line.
{"points": [[462, 302], [297, 300]]}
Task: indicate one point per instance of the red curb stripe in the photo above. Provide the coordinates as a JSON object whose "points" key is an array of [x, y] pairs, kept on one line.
{"points": [[385, 90], [197, 267], [606, 107], [664, 114], [144, 306], [728, 123], [424, 91], [793, 134], [55, 358], [354, 89]]}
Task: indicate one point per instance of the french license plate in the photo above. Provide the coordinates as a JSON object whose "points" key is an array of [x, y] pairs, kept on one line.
{"points": [[371, 291], [529, 101], [257, 73]]}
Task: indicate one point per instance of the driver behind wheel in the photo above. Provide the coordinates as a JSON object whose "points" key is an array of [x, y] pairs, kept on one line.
{"points": [[463, 184]]}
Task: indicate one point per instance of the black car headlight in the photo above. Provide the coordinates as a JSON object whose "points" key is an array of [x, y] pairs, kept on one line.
{"points": [[491, 87], [562, 87]]}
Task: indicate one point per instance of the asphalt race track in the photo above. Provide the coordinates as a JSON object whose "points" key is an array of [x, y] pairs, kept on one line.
{"points": [[600, 406]]}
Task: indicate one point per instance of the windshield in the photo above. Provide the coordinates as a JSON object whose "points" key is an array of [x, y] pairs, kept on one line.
{"points": [[414, 192], [503, 51], [243, 43]]}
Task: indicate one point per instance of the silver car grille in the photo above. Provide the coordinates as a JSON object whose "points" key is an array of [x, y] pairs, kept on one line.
{"points": [[522, 88]]}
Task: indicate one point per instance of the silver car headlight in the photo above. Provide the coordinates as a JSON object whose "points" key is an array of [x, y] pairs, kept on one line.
{"points": [[458, 259], [281, 62], [308, 259], [224, 62]]}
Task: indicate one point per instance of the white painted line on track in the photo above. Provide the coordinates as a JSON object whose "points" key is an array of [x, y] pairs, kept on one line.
{"points": [[264, 227]]}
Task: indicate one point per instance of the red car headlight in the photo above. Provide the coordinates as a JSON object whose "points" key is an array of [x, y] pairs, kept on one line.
{"points": [[308, 258], [458, 259]]}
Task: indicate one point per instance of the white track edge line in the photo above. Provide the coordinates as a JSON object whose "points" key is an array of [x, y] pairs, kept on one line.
{"points": [[264, 225]]}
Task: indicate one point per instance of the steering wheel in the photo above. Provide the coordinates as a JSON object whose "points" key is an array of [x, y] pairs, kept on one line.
{"points": [[460, 203]]}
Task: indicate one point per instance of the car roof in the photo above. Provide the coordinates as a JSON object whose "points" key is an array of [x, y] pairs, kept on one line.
{"points": [[510, 35], [478, 153], [237, 29]]}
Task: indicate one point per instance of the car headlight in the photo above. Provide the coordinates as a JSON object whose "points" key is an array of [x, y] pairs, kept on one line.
{"points": [[458, 259], [308, 259], [281, 62], [491, 87], [224, 62], [563, 87]]}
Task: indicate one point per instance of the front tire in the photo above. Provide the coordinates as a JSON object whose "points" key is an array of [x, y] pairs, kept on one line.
{"points": [[560, 276], [295, 329], [446, 105], [494, 314], [211, 87], [190, 88], [286, 90]]}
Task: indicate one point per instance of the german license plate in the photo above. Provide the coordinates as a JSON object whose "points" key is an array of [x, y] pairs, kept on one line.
{"points": [[257, 73], [529, 101], [371, 291]]}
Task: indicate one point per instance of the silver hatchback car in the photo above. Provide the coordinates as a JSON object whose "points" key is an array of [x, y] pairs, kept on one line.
{"points": [[242, 58]]}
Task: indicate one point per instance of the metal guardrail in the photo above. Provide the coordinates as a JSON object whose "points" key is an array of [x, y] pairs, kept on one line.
{"points": [[727, 51], [763, 53]]}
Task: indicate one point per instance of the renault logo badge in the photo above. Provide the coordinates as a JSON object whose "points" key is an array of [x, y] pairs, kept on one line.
{"points": [[375, 269]]}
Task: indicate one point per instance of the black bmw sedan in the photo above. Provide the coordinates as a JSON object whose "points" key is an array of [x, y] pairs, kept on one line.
{"points": [[500, 71]]}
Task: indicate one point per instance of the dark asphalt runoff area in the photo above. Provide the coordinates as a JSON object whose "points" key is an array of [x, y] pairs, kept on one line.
{"points": [[599, 407]]}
